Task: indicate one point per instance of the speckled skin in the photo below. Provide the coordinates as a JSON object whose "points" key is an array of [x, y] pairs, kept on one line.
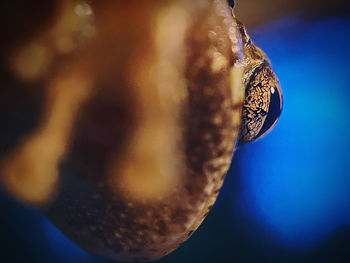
{"points": [[133, 128], [112, 224], [259, 78]]}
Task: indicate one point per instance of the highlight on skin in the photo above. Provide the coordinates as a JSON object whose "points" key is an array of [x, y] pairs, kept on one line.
{"points": [[139, 121]]}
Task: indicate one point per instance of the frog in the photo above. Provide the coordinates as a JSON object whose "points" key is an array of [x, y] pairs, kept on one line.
{"points": [[139, 107]]}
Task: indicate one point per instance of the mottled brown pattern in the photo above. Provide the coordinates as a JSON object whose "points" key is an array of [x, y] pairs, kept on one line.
{"points": [[258, 80], [106, 221], [142, 159]]}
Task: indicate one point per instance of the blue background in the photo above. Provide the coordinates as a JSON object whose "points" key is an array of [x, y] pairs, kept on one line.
{"points": [[286, 197]]}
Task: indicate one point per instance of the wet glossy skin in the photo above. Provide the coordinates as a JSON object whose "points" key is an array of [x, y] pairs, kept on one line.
{"points": [[130, 151]]}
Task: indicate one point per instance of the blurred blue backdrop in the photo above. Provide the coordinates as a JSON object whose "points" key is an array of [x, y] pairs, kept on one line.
{"points": [[286, 197], [296, 180]]}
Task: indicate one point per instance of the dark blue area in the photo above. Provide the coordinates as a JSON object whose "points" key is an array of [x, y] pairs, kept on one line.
{"points": [[286, 197], [296, 181]]}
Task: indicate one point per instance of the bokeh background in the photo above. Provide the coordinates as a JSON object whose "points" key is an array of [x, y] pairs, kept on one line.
{"points": [[286, 198]]}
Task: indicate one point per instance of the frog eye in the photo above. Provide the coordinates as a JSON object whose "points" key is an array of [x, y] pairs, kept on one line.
{"points": [[262, 106]]}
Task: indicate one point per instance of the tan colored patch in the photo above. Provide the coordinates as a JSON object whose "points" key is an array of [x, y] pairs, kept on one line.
{"points": [[218, 63], [152, 164], [236, 81], [32, 61], [30, 172], [73, 26]]}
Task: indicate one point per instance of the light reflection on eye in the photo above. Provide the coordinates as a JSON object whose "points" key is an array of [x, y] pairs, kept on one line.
{"points": [[295, 182]]}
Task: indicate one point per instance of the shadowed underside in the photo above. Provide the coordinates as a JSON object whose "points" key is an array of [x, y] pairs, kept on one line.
{"points": [[131, 219], [141, 110]]}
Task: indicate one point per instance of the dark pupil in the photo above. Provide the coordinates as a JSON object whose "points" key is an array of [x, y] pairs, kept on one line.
{"points": [[231, 3], [273, 113]]}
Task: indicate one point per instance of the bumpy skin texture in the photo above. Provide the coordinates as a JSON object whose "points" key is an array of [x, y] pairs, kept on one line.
{"points": [[135, 109], [113, 223], [263, 95]]}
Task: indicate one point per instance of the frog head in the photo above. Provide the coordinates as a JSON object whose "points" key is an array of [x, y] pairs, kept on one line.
{"points": [[263, 101]]}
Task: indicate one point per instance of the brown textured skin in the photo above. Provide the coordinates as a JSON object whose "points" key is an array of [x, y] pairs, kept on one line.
{"points": [[111, 223], [259, 77], [124, 137], [142, 159]]}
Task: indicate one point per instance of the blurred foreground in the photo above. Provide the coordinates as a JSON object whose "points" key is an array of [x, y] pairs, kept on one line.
{"points": [[290, 202]]}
